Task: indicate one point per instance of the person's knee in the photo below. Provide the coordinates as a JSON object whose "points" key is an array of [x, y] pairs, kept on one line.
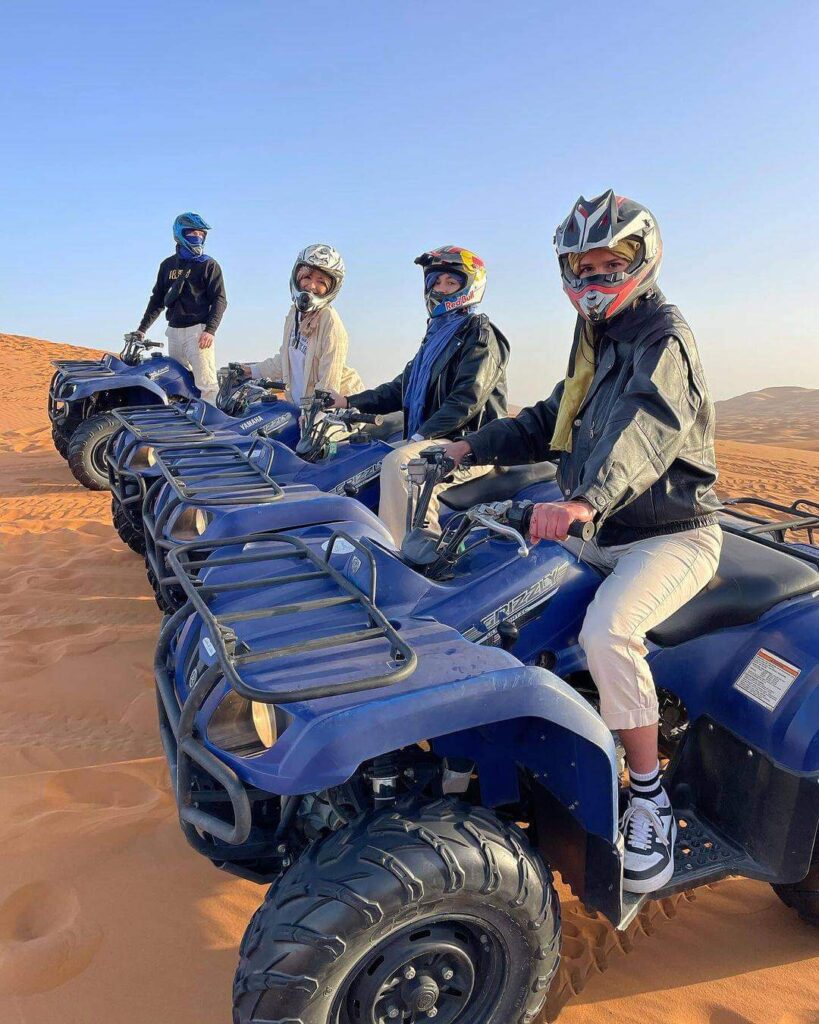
{"points": [[597, 633], [391, 466]]}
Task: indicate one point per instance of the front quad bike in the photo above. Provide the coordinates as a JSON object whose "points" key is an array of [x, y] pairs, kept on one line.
{"points": [[366, 733], [82, 399]]}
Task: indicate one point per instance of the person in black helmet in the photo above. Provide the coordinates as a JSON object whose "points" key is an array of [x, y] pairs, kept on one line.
{"points": [[632, 425], [190, 288], [455, 382]]}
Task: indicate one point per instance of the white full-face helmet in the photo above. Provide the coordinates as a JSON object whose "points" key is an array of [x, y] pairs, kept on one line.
{"points": [[328, 260]]}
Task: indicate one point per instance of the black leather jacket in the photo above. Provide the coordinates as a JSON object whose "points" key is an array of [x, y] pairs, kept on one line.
{"points": [[467, 383], [643, 441]]}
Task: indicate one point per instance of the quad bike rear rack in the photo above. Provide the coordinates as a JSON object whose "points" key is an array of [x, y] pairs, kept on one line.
{"points": [[803, 514], [286, 560], [212, 473], [178, 423]]}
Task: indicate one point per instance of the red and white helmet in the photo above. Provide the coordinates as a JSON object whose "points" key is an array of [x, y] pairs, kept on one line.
{"points": [[606, 223]]}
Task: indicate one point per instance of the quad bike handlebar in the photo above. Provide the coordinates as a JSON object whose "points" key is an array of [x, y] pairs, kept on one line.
{"points": [[135, 345], [319, 416], [519, 517], [436, 554]]}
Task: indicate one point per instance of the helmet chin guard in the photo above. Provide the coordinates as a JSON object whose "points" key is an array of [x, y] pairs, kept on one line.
{"points": [[326, 259], [603, 223]]}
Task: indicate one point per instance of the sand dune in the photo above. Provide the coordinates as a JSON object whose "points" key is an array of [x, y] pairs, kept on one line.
{"points": [[786, 417], [107, 915]]}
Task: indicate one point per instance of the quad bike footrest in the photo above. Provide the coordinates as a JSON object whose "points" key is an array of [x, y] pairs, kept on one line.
{"points": [[701, 856]]}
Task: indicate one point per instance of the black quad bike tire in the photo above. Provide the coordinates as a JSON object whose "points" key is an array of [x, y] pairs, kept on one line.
{"points": [[164, 606], [61, 439], [86, 451], [124, 525], [395, 888], [803, 897]]}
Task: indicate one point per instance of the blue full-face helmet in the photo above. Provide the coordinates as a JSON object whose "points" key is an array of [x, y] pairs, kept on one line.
{"points": [[189, 222]]}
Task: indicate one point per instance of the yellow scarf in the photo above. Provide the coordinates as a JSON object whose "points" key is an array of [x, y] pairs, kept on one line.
{"points": [[582, 361], [576, 385]]}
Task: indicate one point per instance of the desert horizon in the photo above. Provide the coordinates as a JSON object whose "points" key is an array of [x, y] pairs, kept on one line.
{"points": [[107, 914]]}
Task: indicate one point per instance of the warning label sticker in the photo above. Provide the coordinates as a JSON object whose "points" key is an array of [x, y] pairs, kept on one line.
{"points": [[767, 679]]}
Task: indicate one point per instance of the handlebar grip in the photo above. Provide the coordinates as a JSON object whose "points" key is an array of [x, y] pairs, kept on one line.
{"points": [[583, 531], [367, 417], [271, 385], [519, 517]]}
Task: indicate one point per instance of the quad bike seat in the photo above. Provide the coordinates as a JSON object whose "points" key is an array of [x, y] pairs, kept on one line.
{"points": [[751, 579], [499, 484]]}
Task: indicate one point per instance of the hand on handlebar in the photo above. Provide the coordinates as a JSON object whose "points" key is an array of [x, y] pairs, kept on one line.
{"points": [[551, 520], [458, 451], [339, 401]]}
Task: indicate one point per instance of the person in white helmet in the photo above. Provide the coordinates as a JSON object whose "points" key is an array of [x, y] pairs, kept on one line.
{"points": [[313, 354]]}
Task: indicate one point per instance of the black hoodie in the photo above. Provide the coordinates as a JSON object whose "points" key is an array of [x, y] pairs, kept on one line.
{"points": [[200, 300]]}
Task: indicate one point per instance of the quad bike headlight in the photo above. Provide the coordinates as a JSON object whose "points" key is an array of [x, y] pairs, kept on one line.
{"points": [[246, 727], [69, 390], [191, 523], [143, 457]]}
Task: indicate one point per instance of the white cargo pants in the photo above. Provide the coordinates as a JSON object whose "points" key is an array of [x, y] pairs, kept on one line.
{"points": [[649, 580], [183, 345]]}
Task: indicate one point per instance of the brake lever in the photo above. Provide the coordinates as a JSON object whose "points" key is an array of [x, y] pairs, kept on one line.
{"points": [[486, 516]]}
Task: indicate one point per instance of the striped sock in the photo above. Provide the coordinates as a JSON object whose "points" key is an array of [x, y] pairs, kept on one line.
{"points": [[647, 786]]}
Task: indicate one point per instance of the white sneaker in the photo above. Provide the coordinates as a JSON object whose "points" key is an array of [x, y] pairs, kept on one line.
{"points": [[649, 831]]}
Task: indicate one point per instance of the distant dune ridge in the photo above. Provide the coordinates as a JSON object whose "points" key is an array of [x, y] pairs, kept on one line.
{"points": [[787, 416], [105, 911]]}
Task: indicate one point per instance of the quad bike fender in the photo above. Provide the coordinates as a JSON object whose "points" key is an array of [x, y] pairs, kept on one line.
{"points": [[138, 389], [512, 717]]}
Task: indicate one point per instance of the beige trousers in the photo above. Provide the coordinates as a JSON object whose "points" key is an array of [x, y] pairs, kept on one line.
{"points": [[183, 345], [649, 580], [395, 487]]}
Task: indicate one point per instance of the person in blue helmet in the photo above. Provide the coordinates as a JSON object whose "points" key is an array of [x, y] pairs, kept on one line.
{"points": [[190, 288]]}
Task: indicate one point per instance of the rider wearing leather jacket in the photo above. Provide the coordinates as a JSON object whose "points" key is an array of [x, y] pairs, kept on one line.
{"points": [[632, 427]]}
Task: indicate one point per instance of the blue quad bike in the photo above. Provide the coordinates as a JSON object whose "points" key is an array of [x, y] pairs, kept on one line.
{"points": [[406, 744], [84, 393], [340, 452], [245, 409], [218, 490]]}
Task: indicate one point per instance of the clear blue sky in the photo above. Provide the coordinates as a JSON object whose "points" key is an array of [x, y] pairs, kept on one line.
{"points": [[386, 129]]}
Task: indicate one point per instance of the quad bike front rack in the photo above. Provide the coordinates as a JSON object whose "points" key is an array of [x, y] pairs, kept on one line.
{"points": [[70, 371], [212, 473], [178, 423], [285, 561]]}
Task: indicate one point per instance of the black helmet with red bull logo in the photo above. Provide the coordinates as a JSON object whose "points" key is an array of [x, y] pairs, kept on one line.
{"points": [[616, 223], [452, 259]]}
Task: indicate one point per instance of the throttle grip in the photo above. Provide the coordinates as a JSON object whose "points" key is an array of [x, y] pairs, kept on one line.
{"points": [[520, 517]]}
